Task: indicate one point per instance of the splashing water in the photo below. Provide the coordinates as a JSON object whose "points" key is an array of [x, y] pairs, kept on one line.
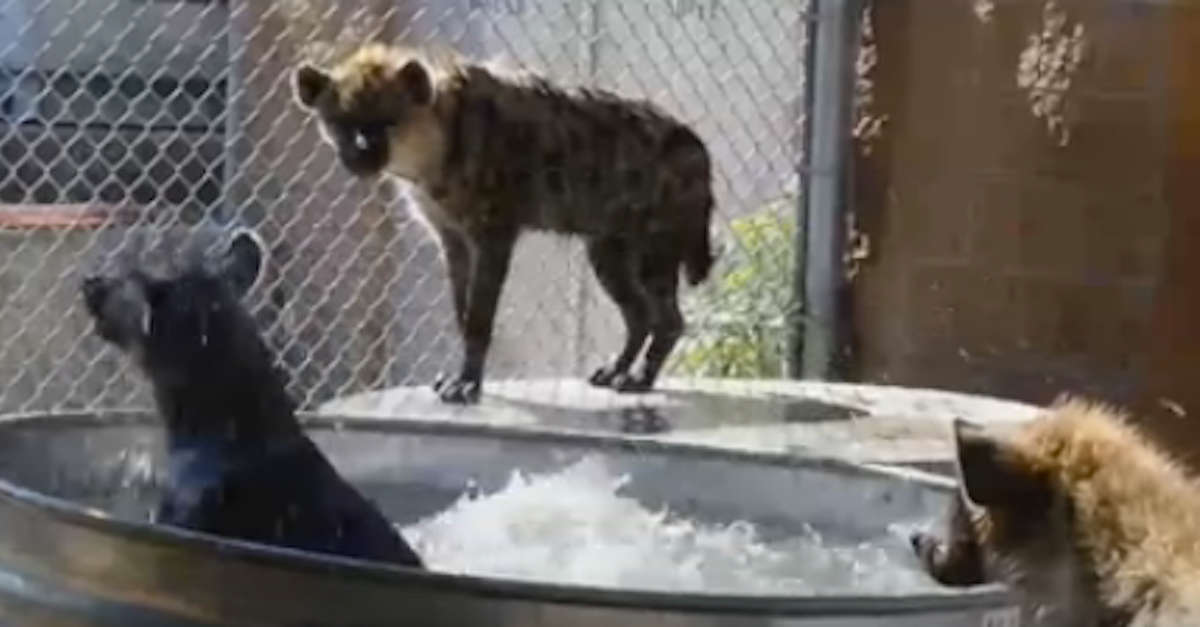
{"points": [[573, 526]]}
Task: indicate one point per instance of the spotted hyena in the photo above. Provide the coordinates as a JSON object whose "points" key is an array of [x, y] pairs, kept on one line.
{"points": [[1087, 522], [488, 154]]}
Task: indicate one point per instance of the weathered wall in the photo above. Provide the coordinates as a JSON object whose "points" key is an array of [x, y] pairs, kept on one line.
{"points": [[1170, 397], [1002, 260]]}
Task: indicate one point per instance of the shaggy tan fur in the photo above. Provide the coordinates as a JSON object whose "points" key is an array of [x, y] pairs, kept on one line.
{"points": [[1085, 519]]}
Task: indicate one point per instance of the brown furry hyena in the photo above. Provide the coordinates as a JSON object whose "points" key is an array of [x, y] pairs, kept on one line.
{"points": [[488, 154], [1083, 519]]}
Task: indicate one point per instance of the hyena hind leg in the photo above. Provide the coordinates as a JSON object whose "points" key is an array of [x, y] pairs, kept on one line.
{"points": [[659, 278], [614, 263]]}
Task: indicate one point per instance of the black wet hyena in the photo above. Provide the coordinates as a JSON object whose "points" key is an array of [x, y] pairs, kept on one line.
{"points": [[488, 154], [1086, 522], [239, 464]]}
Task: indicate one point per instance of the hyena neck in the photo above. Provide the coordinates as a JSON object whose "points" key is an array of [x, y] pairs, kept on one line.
{"points": [[418, 157], [246, 409]]}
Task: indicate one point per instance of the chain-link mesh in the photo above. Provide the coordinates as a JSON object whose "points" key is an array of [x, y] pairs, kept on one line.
{"points": [[142, 115]]}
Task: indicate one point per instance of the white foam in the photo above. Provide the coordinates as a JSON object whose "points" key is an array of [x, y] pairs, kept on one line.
{"points": [[574, 527]]}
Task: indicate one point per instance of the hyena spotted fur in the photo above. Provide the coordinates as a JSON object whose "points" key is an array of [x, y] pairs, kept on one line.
{"points": [[488, 154], [1085, 521]]}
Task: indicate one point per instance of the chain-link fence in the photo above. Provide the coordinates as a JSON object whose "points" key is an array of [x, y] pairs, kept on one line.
{"points": [[122, 115]]}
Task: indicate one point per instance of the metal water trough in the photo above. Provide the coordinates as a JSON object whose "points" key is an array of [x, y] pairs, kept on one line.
{"points": [[72, 552]]}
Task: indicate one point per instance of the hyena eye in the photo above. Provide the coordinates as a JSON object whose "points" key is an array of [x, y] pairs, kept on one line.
{"points": [[360, 140]]}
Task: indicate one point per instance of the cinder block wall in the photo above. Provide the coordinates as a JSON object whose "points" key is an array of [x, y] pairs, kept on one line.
{"points": [[1002, 262], [1169, 400]]}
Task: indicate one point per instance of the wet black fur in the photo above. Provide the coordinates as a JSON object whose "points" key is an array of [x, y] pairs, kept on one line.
{"points": [[239, 463]]}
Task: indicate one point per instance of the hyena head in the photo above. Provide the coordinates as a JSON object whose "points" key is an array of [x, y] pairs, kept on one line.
{"points": [[179, 316], [375, 108], [1013, 522]]}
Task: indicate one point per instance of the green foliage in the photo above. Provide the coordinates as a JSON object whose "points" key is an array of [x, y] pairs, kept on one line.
{"points": [[739, 321]]}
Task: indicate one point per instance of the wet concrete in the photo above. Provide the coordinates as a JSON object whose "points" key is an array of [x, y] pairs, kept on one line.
{"points": [[871, 424]]}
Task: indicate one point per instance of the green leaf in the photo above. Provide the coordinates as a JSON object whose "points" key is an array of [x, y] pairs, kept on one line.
{"points": [[738, 323]]}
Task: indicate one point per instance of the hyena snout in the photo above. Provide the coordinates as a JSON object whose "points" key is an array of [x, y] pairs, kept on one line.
{"points": [[925, 547], [363, 152], [366, 162]]}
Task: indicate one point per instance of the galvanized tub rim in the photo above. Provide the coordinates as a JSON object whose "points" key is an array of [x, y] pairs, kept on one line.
{"points": [[831, 605]]}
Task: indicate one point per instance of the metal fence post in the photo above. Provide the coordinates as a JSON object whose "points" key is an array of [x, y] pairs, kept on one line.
{"points": [[824, 181]]}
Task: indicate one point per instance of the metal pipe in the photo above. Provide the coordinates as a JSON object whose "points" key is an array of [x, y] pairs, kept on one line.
{"points": [[794, 321], [823, 198], [231, 201]]}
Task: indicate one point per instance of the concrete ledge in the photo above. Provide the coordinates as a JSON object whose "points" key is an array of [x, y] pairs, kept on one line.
{"points": [[862, 423]]}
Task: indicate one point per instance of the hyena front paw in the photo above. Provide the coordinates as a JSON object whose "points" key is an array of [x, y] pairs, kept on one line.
{"points": [[631, 384], [458, 390], [604, 377]]}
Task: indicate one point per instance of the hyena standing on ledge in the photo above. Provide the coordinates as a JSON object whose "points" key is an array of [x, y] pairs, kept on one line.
{"points": [[1085, 521], [489, 154]]}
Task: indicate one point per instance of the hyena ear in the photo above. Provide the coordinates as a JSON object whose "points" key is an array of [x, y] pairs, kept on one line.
{"points": [[414, 83], [308, 83], [244, 260], [991, 474]]}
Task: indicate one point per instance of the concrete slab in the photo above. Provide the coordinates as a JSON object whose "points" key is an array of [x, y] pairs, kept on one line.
{"points": [[865, 423]]}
